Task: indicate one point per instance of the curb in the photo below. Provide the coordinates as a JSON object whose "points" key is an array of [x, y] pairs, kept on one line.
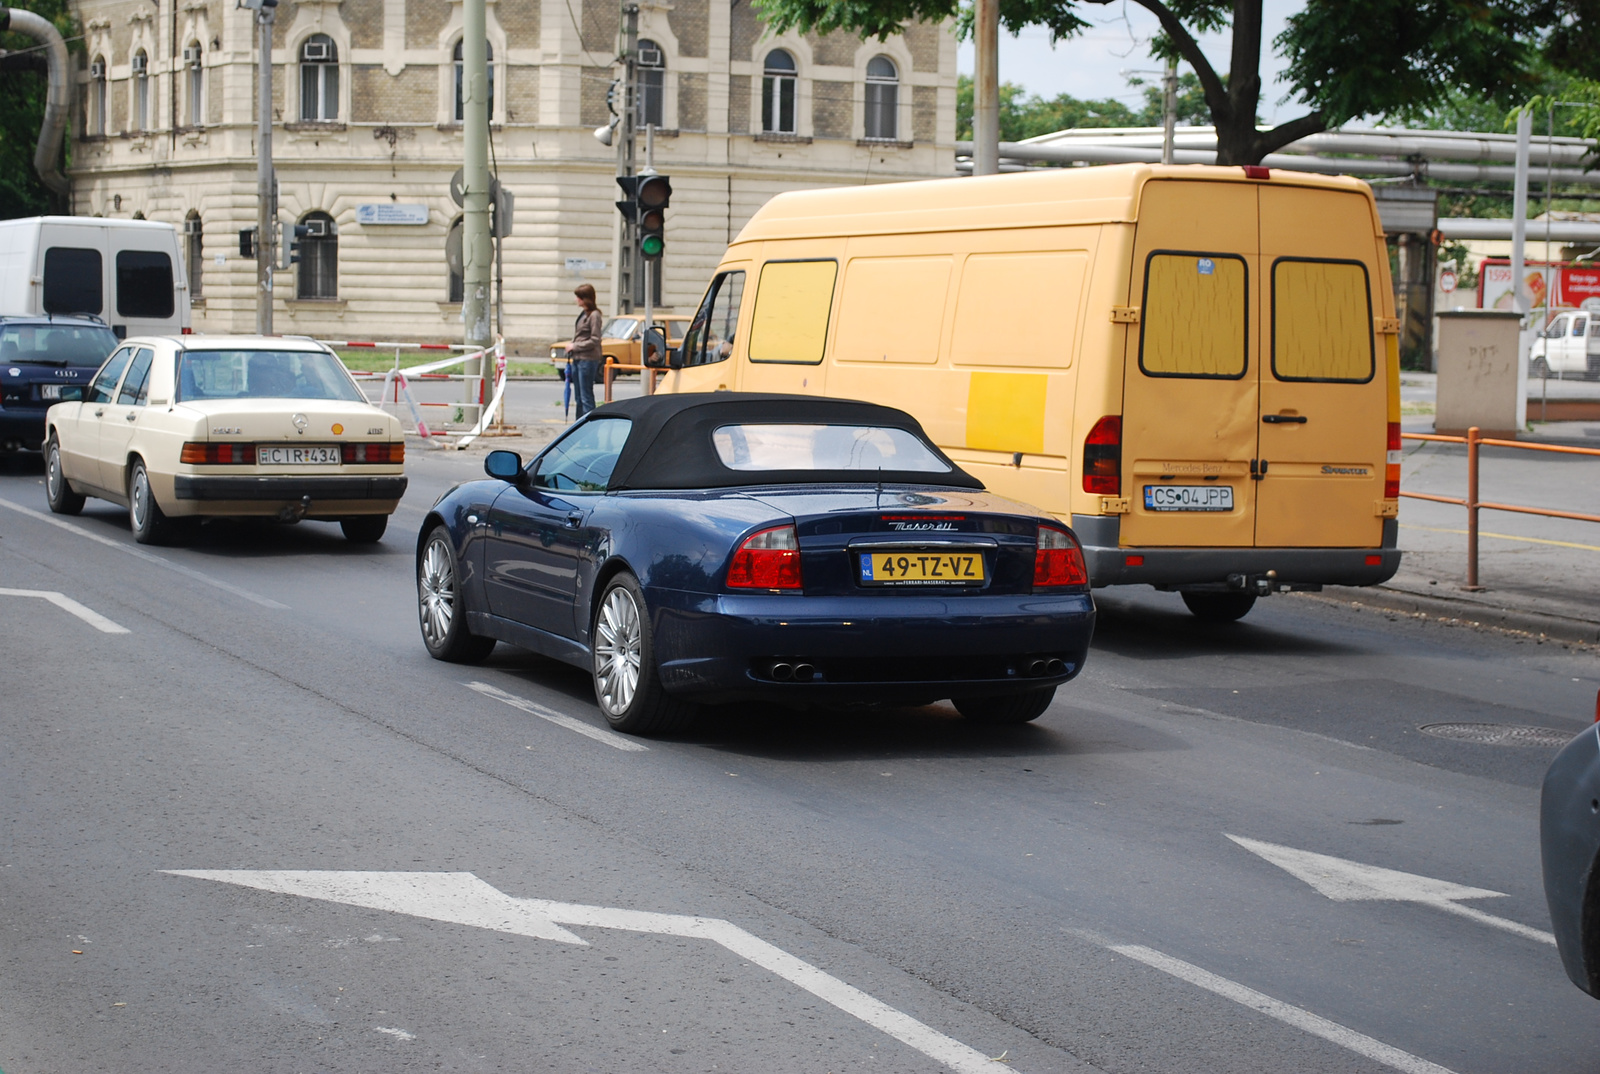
{"points": [[1463, 612]]}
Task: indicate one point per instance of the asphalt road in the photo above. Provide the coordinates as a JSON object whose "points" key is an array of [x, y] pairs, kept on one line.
{"points": [[903, 891]]}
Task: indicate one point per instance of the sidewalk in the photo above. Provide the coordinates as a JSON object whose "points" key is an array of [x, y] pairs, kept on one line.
{"points": [[1539, 575]]}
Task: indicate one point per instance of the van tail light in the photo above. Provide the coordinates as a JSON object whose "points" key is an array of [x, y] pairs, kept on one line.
{"points": [[218, 454], [186, 331], [767, 560], [390, 454], [1057, 559], [1102, 457], [1391, 468], [1256, 171]]}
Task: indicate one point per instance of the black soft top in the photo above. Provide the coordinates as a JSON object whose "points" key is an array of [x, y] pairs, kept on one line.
{"points": [[669, 446]]}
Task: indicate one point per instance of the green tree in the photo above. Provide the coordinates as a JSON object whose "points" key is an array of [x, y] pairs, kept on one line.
{"points": [[1345, 58], [23, 89], [1023, 116]]}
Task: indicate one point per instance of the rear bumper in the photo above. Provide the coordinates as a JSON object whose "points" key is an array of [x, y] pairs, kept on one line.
{"points": [[26, 426], [287, 489], [907, 649], [1217, 567]]}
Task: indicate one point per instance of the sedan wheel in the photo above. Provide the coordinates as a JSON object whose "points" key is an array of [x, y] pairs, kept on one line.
{"points": [[63, 501], [439, 604], [626, 682]]}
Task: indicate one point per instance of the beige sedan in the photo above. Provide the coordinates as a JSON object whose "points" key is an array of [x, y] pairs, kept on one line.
{"points": [[182, 428]]}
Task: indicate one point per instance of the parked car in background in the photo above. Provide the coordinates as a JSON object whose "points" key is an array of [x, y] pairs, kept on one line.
{"points": [[129, 273], [1568, 346], [183, 428], [44, 361], [620, 338], [706, 547]]}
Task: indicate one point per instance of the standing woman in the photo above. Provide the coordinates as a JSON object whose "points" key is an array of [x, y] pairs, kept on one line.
{"points": [[584, 351]]}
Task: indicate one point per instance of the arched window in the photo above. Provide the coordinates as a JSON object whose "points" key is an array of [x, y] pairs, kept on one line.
{"points": [[461, 96], [193, 56], [96, 103], [777, 93], [457, 287], [319, 79], [141, 91], [319, 258], [193, 253], [652, 67], [883, 99]]}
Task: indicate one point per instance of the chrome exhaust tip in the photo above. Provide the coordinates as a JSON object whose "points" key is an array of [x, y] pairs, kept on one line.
{"points": [[1056, 667], [1038, 667], [804, 673], [782, 672]]}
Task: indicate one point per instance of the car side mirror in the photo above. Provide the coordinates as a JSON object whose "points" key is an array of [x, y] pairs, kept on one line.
{"points": [[506, 465]]}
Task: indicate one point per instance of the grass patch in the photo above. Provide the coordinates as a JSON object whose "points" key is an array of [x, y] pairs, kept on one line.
{"points": [[379, 361]]}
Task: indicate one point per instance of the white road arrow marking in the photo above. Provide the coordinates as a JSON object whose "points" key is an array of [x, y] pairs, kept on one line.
{"points": [[462, 898], [1351, 881], [67, 604]]}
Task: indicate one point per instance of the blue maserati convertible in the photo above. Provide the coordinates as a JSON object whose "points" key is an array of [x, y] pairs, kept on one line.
{"points": [[724, 546]]}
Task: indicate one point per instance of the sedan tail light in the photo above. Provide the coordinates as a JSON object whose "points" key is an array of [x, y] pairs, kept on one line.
{"points": [[767, 560], [218, 454], [372, 453], [1058, 560], [1102, 457]]}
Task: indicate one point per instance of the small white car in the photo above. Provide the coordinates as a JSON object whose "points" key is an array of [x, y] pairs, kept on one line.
{"points": [[183, 428]]}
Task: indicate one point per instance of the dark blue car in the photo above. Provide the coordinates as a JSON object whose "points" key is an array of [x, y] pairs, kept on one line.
{"points": [[45, 361], [1569, 837], [727, 546]]}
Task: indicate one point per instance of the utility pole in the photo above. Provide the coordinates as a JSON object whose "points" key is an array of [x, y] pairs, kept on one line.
{"points": [[477, 255], [648, 264], [1169, 119], [627, 249], [986, 88], [1519, 265], [266, 216]]}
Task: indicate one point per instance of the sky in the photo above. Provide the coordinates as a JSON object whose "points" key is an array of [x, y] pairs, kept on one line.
{"points": [[1090, 65]]}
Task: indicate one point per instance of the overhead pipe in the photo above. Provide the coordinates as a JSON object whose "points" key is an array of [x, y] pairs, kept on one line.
{"points": [[58, 99]]}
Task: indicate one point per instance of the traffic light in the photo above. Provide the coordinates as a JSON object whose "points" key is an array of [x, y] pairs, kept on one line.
{"points": [[628, 206], [653, 194], [297, 233]]}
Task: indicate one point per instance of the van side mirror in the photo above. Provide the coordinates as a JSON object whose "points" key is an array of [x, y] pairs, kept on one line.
{"points": [[506, 465]]}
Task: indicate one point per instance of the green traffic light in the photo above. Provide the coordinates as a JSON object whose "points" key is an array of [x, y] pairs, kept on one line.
{"points": [[652, 245]]}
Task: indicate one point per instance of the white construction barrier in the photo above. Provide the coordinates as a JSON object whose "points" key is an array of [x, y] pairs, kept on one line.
{"points": [[396, 387]]}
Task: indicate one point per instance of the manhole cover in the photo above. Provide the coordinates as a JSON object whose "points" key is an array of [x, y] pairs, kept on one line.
{"points": [[1498, 734]]}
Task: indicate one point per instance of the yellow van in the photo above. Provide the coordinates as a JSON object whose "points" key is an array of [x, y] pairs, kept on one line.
{"points": [[1196, 367]]}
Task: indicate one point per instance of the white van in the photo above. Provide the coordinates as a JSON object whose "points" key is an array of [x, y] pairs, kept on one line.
{"points": [[128, 273], [1568, 346]]}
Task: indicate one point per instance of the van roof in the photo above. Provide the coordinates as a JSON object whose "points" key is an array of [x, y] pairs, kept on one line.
{"points": [[85, 221], [1050, 197]]}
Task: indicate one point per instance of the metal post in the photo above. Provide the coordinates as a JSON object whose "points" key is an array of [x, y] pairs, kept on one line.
{"points": [[266, 220], [649, 266], [606, 372], [1472, 509], [1169, 117], [986, 88], [1519, 264], [476, 253], [627, 234]]}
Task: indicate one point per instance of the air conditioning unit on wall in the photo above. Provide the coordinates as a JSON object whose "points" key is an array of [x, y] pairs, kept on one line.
{"points": [[317, 229], [141, 63], [191, 54], [316, 50], [97, 70]]}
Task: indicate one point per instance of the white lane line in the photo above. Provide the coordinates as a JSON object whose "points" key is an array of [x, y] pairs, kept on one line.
{"points": [[67, 604], [610, 738], [148, 557], [1287, 1013], [463, 898]]}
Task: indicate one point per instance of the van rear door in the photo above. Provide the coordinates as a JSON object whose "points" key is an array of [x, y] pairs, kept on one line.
{"points": [[1323, 433], [1190, 407]]}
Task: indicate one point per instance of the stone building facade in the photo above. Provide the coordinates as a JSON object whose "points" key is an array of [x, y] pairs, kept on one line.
{"points": [[367, 136]]}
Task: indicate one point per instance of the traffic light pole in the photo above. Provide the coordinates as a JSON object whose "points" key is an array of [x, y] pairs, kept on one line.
{"points": [[477, 254], [627, 250], [649, 266], [266, 221]]}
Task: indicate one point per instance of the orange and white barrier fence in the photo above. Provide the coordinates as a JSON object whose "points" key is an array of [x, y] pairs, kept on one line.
{"points": [[396, 387]]}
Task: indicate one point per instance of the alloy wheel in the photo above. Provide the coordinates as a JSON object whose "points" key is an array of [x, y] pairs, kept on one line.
{"points": [[619, 640], [436, 593]]}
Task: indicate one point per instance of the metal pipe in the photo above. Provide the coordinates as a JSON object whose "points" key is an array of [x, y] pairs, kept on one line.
{"points": [[1469, 227], [58, 96], [986, 87], [1472, 509]]}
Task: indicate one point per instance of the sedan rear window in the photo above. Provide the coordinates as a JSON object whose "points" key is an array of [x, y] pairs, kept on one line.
{"points": [[56, 344], [264, 375], [825, 447]]}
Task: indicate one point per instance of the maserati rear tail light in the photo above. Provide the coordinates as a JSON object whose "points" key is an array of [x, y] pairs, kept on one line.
{"points": [[218, 454], [1391, 469], [1102, 457], [372, 453], [1058, 560], [767, 560]]}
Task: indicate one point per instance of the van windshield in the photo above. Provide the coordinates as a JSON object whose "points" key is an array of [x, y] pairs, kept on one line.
{"points": [[264, 375], [56, 344]]}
